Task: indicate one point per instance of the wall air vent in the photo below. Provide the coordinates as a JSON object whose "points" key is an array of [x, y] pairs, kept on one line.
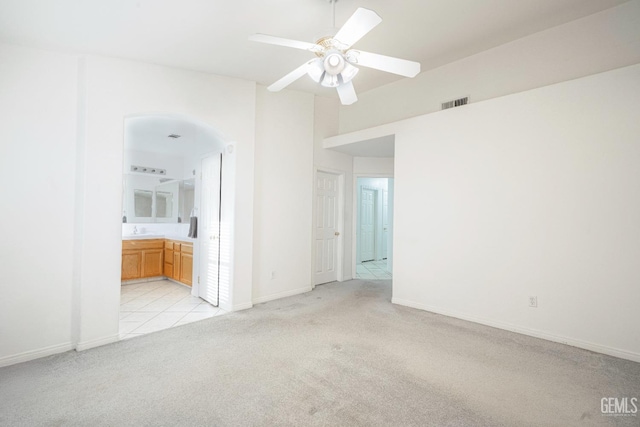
{"points": [[455, 103], [146, 169], [174, 136]]}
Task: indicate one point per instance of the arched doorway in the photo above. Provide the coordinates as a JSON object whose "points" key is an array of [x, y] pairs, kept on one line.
{"points": [[175, 232]]}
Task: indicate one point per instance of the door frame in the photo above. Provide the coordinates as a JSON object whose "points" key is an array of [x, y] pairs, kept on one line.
{"points": [[340, 250], [354, 213]]}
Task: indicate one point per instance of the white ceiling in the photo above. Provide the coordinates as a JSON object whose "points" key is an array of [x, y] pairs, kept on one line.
{"points": [[151, 134], [211, 35]]}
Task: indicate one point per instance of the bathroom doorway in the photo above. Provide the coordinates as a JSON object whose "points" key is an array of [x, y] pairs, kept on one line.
{"points": [[171, 198], [374, 228]]}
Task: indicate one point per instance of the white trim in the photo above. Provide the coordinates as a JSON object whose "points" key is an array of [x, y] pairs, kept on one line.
{"points": [[35, 354], [586, 345], [283, 294], [346, 278], [243, 306], [86, 345]]}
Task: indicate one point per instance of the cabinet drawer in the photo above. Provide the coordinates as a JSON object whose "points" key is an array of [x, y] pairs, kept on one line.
{"points": [[176, 246], [187, 248], [168, 244], [142, 244]]}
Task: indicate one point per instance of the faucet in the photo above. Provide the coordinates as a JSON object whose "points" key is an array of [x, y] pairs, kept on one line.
{"points": [[135, 229]]}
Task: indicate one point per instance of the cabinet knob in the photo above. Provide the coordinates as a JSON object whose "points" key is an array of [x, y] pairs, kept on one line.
{"points": [[337, 233]]}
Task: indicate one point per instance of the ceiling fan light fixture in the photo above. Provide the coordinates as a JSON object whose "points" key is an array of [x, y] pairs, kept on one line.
{"points": [[349, 72], [352, 56], [334, 63], [316, 70], [330, 80]]}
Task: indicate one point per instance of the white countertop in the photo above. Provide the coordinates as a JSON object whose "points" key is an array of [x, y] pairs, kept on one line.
{"points": [[150, 236]]}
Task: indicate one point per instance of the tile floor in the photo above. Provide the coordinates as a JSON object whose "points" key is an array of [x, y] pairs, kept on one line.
{"points": [[373, 270], [161, 304]]}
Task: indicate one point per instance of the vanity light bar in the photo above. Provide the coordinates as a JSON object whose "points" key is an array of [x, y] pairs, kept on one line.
{"points": [[147, 169]]}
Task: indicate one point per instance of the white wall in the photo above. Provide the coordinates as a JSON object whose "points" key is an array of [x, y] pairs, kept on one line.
{"points": [[116, 89], [533, 194], [325, 124], [283, 203], [596, 43], [373, 166], [37, 171]]}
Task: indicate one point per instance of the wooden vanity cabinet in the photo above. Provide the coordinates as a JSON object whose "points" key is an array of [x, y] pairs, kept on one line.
{"points": [[142, 259], [156, 258], [186, 263], [178, 261]]}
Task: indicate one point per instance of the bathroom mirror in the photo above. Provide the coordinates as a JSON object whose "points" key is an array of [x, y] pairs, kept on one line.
{"points": [[143, 202], [149, 198]]}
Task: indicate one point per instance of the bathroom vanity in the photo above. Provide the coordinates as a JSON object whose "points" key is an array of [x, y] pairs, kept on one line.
{"points": [[157, 257]]}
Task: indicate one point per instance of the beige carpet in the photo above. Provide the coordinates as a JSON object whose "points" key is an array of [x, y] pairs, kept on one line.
{"points": [[340, 355]]}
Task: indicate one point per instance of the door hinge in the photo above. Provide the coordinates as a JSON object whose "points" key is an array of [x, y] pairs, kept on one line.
{"points": [[198, 280]]}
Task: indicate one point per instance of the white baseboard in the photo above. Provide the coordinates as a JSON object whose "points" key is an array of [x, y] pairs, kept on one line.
{"points": [[586, 345], [346, 278], [86, 345], [144, 280], [243, 306], [283, 294], [35, 354]]}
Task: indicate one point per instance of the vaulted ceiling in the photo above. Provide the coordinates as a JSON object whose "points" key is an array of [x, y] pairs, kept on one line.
{"points": [[211, 35]]}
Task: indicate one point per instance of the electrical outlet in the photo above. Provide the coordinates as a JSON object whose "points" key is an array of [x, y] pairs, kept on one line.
{"points": [[273, 275], [533, 301]]}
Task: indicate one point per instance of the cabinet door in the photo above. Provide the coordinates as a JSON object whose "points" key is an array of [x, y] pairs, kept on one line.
{"points": [[131, 265], [186, 268], [152, 262], [176, 266], [168, 270]]}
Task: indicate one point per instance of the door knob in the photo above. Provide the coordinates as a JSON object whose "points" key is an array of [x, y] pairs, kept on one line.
{"points": [[337, 233]]}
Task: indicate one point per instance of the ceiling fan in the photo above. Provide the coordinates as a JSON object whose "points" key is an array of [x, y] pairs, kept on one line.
{"points": [[335, 65]]}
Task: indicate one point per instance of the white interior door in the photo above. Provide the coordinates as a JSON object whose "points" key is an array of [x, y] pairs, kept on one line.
{"points": [[367, 224], [385, 223], [326, 228], [209, 229]]}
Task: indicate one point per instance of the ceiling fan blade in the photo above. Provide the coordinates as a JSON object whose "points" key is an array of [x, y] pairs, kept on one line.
{"points": [[384, 63], [263, 38], [291, 77], [347, 93], [361, 22]]}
